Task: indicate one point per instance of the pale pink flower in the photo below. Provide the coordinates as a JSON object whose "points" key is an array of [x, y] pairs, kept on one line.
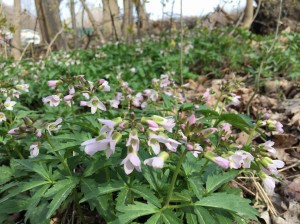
{"points": [[224, 163], [268, 146], [235, 161], [157, 161], [2, 117], [34, 150], [104, 85], [268, 182], [53, 83], [55, 126], [234, 99], [68, 99], [196, 149], [53, 100], [272, 167], [247, 158], [133, 140], [226, 127], [138, 100], [278, 127], [14, 131], [206, 95], [86, 95], [38, 133], [93, 145], [151, 94], [192, 119], [8, 104], [167, 123], [107, 128], [71, 90], [131, 162]]}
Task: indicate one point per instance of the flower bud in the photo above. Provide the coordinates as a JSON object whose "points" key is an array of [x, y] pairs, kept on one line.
{"points": [[27, 120]]}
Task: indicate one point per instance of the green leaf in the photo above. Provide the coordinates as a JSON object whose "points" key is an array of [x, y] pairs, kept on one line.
{"points": [[147, 194], [104, 189], [5, 174], [101, 203], [170, 217], [239, 121], [196, 184], [133, 211], [122, 197], [207, 111], [229, 202], [154, 219], [23, 187], [203, 215], [60, 196], [34, 201], [216, 181], [59, 185], [167, 100], [38, 168], [191, 218]]}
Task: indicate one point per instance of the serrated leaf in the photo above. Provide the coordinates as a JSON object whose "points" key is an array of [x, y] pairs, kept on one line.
{"points": [[196, 184], [60, 196], [203, 215], [207, 111], [34, 201], [122, 197], [147, 194], [191, 218], [23, 187], [154, 219], [229, 202], [58, 186], [38, 168], [170, 217], [5, 174], [104, 189], [133, 211], [216, 181]]}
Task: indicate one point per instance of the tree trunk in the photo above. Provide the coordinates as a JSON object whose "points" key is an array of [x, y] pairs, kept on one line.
{"points": [[248, 17], [143, 20], [74, 25], [128, 20], [111, 18], [93, 21], [50, 24], [16, 42]]}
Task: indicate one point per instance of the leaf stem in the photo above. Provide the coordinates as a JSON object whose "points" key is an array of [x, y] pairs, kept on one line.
{"points": [[174, 177], [61, 159]]}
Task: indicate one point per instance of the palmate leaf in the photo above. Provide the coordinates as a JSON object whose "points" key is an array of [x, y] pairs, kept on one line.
{"points": [[147, 194], [154, 219], [23, 187], [104, 189], [170, 217], [216, 181], [229, 202], [203, 216], [60, 196], [133, 211], [34, 201]]}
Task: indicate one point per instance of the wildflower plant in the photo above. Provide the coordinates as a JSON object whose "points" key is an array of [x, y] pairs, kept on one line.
{"points": [[146, 156]]}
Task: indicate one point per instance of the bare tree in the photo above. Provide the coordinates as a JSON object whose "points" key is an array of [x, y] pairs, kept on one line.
{"points": [[248, 17], [93, 21], [111, 18], [16, 42], [128, 20], [74, 25], [143, 20], [50, 24]]}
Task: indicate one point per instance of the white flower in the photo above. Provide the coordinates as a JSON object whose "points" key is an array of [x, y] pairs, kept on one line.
{"points": [[94, 104], [23, 87], [34, 150], [54, 126], [53, 100], [2, 117], [131, 162], [9, 104]]}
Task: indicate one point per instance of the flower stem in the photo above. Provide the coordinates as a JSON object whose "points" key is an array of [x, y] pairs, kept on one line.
{"points": [[174, 177], [61, 159], [251, 134]]}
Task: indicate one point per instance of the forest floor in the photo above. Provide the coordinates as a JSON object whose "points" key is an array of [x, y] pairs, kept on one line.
{"points": [[281, 99]]}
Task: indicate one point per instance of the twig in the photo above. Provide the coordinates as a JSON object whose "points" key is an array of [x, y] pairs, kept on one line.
{"points": [[246, 189], [289, 167], [53, 40], [264, 196], [24, 51]]}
